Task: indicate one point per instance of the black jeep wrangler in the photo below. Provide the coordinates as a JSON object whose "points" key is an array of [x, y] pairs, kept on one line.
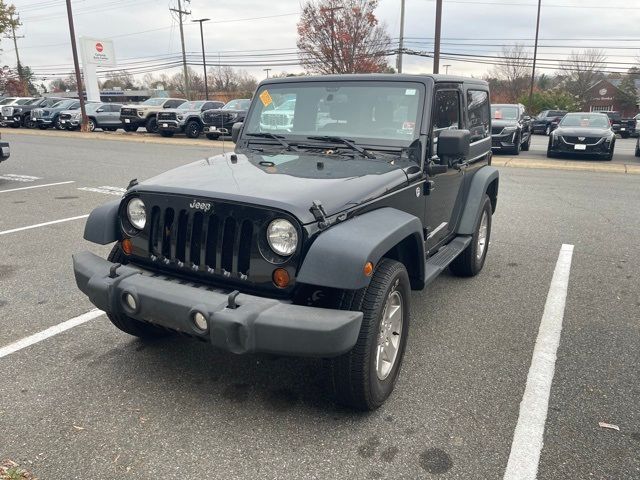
{"points": [[308, 242]]}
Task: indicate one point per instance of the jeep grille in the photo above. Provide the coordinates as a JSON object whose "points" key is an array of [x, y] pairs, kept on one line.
{"points": [[221, 246]]}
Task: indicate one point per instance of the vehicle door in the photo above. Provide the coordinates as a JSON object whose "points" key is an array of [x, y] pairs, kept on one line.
{"points": [[207, 106], [112, 114], [442, 209], [102, 117]]}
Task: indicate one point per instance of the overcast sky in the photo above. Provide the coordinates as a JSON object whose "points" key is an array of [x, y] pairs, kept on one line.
{"points": [[46, 46]]}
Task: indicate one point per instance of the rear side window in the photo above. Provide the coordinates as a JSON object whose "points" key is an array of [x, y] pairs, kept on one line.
{"points": [[174, 103], [479, 114], [446, 110]]}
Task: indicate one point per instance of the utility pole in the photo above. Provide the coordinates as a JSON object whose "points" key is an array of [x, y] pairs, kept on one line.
{"points": [[401, 40], [446, 69], [204, 59], [181, 12], [436, 46], [333, 38], [266, 70], [76, 64], [23, 81], [535, 55]]}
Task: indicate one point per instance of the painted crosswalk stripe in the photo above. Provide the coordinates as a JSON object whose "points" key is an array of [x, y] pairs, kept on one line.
{"points": [[36, 186], [18, 178], [38, 225], [107, 190]]}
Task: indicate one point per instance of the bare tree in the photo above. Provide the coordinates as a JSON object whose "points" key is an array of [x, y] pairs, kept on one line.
{"points": [[228, 80], [582, 70], [513, 71], [342, 36], [120, 79]]}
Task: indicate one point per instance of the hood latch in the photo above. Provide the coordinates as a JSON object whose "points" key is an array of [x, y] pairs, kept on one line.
{"points": [[318, 212]]}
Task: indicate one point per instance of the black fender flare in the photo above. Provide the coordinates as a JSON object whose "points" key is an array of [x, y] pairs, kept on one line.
{"points": [[102, 226], [484, 181], [338, 255]]}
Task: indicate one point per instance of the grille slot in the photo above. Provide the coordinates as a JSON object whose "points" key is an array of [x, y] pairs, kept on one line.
{"points": [[581, 140]]}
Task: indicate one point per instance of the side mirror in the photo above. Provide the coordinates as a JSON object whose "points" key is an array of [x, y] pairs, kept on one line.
{"points": [[100, 110], [454, 143], [235, 131]]}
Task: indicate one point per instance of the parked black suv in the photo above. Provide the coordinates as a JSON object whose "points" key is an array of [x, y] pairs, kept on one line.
{"points": [[546, 121], [308, 242], [20, 115], [510, 128], [219, 121]]}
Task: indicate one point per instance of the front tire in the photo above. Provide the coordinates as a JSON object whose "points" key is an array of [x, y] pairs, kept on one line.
{"points": [[127, 324], [527, 144], [28, 122], [57, 125], [364, 377], [471, 260], [152, 125], [91, 125], [193, 129], [637, 153], [547, 131], [518, 145], [213, 136], [609, 157]]}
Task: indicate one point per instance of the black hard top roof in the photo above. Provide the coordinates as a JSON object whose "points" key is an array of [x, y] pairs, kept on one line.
{"points": [[397, 77]]}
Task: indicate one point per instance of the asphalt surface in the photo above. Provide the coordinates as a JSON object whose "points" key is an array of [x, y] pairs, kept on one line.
{"points": [[93, 403]]}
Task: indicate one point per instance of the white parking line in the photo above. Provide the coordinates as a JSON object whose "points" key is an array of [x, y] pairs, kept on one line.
{"points": [[106, 190], [36, 186], [529, 433], [49, 332], [14, 230], [18, 178]]}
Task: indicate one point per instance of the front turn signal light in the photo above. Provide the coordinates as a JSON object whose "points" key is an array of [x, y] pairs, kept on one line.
{"points": [[281, 278], [127, 246], [368, 269]]}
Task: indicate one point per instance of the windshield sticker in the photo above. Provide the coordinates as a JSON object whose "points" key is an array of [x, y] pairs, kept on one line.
{"points": [[497, 115], [408, 127], [265, 98], [410, 91]]}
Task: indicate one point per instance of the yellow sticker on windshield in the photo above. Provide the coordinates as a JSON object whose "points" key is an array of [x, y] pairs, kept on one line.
{"points": [[265, 98]]}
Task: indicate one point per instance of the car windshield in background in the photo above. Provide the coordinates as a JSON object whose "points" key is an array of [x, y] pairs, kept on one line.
{"points": [[5, 101], [24, 101], [237, 105], [504, 113], [585, 121], [155, 102], [353, 110], [33, 102], [63, 104], [191, 106]]}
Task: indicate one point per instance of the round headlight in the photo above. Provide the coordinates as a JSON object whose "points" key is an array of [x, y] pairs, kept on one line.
{"points": [[282, 237], [136, 213]]}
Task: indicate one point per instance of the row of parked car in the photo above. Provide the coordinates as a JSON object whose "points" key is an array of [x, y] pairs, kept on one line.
{"points": [[165, 116]]}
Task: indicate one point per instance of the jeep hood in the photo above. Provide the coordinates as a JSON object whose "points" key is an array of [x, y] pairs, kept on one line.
{"points": [[287, 181]]}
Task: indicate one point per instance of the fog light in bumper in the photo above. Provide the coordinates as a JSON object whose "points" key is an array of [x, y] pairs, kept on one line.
{"points": [[200, 321], [130, 301]]}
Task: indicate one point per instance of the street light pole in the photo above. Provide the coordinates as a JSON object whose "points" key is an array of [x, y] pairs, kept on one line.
{"points": [[204, 59], [535, 56], [446, 69], [436, 43], [76, 64], [266, 70], [401, 39]]}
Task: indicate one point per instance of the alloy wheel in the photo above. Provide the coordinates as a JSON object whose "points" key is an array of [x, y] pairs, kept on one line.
{"points": [[389, 335]]}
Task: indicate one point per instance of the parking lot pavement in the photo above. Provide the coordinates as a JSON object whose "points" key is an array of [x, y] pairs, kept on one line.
{"points": [[94, 403]]}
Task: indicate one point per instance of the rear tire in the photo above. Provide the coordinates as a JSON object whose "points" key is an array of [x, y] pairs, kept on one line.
{"points": [[362, 378], [152, 125], [471, 260], [128, 324]]}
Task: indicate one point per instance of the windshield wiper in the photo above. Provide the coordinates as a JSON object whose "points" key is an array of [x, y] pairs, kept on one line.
{"points": [[344, 141], [273, 136]]}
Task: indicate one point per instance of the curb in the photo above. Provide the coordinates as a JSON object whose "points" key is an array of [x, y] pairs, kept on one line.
{"points": [[138, 137], [571, 165]]}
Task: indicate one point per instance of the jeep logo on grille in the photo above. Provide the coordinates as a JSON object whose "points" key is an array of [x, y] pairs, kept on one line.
{"points": [[197, 205]]}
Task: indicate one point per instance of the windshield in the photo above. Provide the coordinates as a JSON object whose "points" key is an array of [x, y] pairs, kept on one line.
{"points": [[51, 102], [191, 106], [237, 105], [33, 101], [499, 112], [360, 110], [6, 101], [155, 102], [63, 104], [24, 101], [585, 120]]}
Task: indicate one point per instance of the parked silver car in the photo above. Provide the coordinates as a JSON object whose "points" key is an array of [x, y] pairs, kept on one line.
{"points": [[101, 115]]}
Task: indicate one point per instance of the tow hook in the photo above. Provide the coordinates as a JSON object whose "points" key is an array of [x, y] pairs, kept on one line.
{"points": [[112, 270], [231, 300]]}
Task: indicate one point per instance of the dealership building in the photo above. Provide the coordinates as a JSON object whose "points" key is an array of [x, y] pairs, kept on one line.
{"points": [[605, 96]]}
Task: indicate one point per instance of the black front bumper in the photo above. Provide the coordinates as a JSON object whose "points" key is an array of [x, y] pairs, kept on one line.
{"points": [[133, 121], [256, 324], [560, 147], [12, 121]]}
